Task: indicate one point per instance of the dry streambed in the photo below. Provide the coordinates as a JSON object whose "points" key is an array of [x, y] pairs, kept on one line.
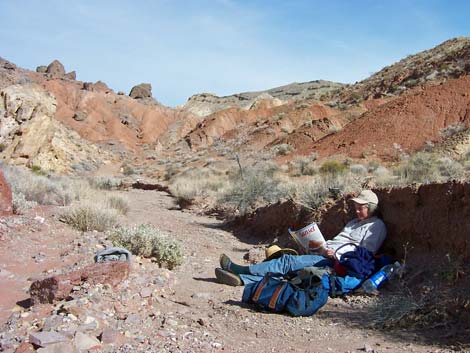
{"points": [[158, 310]]}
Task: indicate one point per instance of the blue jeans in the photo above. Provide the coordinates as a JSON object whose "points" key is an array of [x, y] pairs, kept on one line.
{"points": [[283, 265], [288, 263]]}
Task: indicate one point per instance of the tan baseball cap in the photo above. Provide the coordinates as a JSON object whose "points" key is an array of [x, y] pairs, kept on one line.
{"points": [[365, 197]]}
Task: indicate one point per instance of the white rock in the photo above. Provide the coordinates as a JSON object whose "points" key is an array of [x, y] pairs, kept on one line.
{"points": [[83, 341]]}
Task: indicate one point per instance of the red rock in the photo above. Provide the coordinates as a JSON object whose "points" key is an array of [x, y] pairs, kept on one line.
{"points": [[59, 287], [25, 347], [6, 204]]}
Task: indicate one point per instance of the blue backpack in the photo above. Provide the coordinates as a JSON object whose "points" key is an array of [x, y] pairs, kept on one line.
{"points": [[278, 293]]}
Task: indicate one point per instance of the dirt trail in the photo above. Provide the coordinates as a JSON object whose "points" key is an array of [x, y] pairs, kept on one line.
{"points": [[187, 310], [237, 327]]}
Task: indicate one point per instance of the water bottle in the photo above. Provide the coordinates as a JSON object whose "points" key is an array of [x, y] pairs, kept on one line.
{"points": [[380, 277]]}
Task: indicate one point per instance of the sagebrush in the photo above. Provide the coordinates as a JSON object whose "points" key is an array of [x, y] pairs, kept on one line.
{"points": [[89, 216], [148, 241]]}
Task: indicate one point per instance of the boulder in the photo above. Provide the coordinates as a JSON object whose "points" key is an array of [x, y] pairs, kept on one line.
{"points": [[144, 90], [9, 66], [59, 287], [98, 86], [6, 204], [72, 75], [45, 338], [85, 342], [56, 69], [42, 69]]}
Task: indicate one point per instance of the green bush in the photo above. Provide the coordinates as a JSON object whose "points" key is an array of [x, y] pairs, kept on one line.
{"points": [[332, 168], [87, 217], [147, 241]]}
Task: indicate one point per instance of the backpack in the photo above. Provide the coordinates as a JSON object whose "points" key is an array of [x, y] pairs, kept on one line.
{"points": [[297, 295]]}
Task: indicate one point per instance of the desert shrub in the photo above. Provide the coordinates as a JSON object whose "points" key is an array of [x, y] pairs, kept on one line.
{"points": [[313, 193], [451, 130], [20, 204], [198, 182], [147, 241], [305, 165], [422, 167], [281, 149], [38, 188], [257, 185], [118, 203], [37, 170], [450, 169], [171, 171], [384, 177], [105, 183], [89, 216], [128, 170], [358, 169], [372, 166], [332, 168]]}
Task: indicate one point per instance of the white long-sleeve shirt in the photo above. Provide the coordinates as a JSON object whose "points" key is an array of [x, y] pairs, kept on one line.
{"points": [[369, 233]]}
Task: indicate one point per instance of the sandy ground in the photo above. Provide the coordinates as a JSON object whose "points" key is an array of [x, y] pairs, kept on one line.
{"points": [[188, 311]]}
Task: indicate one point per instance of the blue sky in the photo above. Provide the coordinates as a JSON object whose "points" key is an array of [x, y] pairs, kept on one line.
{"points": [[223, 46]]}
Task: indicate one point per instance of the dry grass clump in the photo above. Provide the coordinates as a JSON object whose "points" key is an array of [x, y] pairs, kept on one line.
{"points": [[452, 130], [206, 183], [333, 168], [105, 183], [20, 204], [313, 192], [252, 187], [426, 167], [118, 203], [281, 149], [398, 310], [304, 165], [147, 241], [87, 216], [29, 187]]}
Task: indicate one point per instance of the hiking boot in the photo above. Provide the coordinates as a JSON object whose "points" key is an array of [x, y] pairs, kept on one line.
{"points": [[225, 262], [227, 277]]}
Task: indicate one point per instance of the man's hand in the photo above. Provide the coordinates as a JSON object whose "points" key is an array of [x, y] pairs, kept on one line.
{"points": [[330, 253]]}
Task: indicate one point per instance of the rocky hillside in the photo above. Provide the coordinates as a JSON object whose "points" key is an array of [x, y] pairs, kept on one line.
{"points": [[48, 119], [450, 59], [206, 103], [405, 105], [403, 124]]}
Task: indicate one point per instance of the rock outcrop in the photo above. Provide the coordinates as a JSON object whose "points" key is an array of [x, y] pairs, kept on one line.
{"points": [[19, 104], [205, 104], [55, 69], [32, 136], [141, 91]]}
